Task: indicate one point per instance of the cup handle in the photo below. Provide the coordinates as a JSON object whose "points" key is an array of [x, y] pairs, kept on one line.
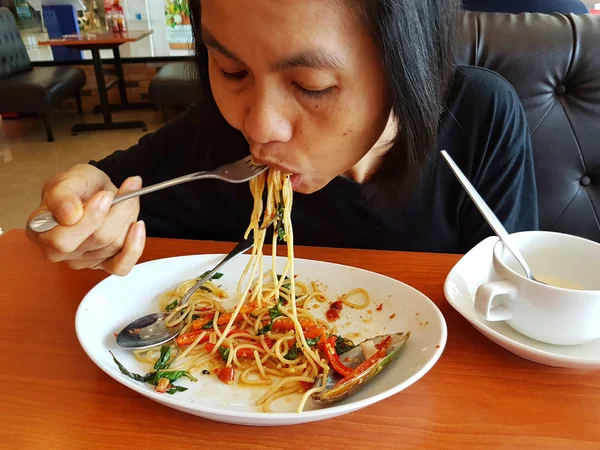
{"points": [[484, 298]]}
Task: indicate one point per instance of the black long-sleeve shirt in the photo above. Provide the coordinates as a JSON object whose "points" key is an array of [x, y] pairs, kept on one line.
{"points": [[484, 130]]}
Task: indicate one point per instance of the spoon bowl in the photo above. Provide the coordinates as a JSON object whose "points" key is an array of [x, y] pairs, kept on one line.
{"points": [[151, 330], [148, 331]]}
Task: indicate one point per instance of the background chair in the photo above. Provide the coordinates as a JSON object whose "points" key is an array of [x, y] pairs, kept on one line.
{"points": [[25, 89], [553, 62], [174, 87], [519, 6]]}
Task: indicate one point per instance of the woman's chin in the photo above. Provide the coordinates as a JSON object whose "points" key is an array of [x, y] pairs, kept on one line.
{"points": [[302, 185]]}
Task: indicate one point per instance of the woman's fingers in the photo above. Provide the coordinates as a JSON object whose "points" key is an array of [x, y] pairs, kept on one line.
{"points": [[65, 193], [122, 263], [62, 242], [111, 234], [91, 231]]}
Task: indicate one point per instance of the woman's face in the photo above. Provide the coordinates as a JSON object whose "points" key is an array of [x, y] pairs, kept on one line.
{"points": [[302, 80]]}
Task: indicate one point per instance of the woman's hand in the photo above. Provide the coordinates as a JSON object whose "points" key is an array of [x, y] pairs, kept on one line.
{"points": [[91, 233]]}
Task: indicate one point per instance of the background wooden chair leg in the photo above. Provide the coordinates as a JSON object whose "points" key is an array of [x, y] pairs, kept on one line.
{"points": [[48, 126], [79, 105]]}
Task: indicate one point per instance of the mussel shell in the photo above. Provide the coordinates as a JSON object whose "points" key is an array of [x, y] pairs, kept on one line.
{"points": [[353, 358]]}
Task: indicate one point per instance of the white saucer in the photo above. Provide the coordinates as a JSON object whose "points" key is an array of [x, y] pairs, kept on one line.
{"points": [[474, 269]]}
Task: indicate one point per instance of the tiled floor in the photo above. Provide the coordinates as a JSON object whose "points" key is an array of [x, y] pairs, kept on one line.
{"points": [[27, 159]]}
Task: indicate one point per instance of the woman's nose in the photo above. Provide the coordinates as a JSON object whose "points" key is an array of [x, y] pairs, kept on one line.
{"points": [[266, 120]]}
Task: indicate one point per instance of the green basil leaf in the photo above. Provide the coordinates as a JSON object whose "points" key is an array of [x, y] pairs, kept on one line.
{"points": [[312, 342], [133, 376], [216, 276], [165, 355], [224, 351], [292, 353], [287, 282], [274, 312], [174, 375], [171, 306], [281, 233], [265, 329], [208, 325], [176, 389], [342, 345]]}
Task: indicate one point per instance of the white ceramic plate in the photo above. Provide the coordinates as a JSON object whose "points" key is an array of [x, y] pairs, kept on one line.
{"points": [[116, 301], [474, 269]]}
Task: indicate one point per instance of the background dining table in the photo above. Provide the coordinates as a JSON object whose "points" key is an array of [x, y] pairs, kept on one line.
{"points": [[478, 395]]}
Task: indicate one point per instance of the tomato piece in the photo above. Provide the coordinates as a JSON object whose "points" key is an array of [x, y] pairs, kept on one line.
{"points": [[269, 342], [312, 333], [328, 345], [245, 353], [365, 365], [226, 375], [310, 328], [384, 344], [238, 331], [334, 311], [162, 385], [306, 385], [209, 347], [199, 324], [188, 338], [241, 353]]}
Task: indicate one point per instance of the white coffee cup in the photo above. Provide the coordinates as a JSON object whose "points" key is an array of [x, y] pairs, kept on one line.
{"points": [[566, 311]]}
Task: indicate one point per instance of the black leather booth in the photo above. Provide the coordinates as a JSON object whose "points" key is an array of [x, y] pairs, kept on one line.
{"points": [[553, 62], [24, 89]]}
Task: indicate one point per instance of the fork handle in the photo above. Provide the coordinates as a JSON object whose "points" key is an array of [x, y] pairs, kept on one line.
{"points": [[45, 221]]}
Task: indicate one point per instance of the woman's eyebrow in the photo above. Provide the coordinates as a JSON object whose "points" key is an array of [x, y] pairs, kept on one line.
{"points": [[313, 59], [210, 41]]}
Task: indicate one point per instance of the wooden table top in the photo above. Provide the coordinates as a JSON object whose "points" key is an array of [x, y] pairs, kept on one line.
{"points": [[478, 395], [87, 39]]}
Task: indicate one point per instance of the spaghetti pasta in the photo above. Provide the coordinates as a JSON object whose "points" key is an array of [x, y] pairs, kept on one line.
{"points": [[270, 338]]}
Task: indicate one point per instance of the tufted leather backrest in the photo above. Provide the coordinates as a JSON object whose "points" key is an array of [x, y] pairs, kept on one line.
{"points": [[13, 55], [553, 62]]}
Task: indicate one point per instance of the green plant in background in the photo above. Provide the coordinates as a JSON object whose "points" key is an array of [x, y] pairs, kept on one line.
{"points": [[177, 12]]}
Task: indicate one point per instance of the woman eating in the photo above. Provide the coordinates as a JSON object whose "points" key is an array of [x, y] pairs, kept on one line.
{"points": [[354, 98]]}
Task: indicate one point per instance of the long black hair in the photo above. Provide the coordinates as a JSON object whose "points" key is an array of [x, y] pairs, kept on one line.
{"points": [[416, 40]]}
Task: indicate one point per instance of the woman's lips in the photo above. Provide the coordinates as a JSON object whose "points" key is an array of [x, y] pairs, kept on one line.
{"points": [[295, 180], [295, 177], [274, 165]]}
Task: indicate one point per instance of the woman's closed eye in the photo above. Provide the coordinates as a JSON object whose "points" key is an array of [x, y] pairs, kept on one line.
{"points": [[313, 93], [234, 76], [240, 75]]}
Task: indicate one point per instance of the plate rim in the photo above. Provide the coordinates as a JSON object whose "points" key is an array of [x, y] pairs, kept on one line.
{"points": [[507, 342], [320, 413]]}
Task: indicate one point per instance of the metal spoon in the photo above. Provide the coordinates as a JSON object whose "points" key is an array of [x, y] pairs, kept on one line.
{"points": [[489, 216], [151, 330]]}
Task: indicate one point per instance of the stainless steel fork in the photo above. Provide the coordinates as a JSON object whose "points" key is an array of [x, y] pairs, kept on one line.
{"points": [[235, 172]]}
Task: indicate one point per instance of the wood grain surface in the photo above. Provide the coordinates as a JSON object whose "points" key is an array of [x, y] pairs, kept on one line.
{"points": [[478, 395], [87, 39]]}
